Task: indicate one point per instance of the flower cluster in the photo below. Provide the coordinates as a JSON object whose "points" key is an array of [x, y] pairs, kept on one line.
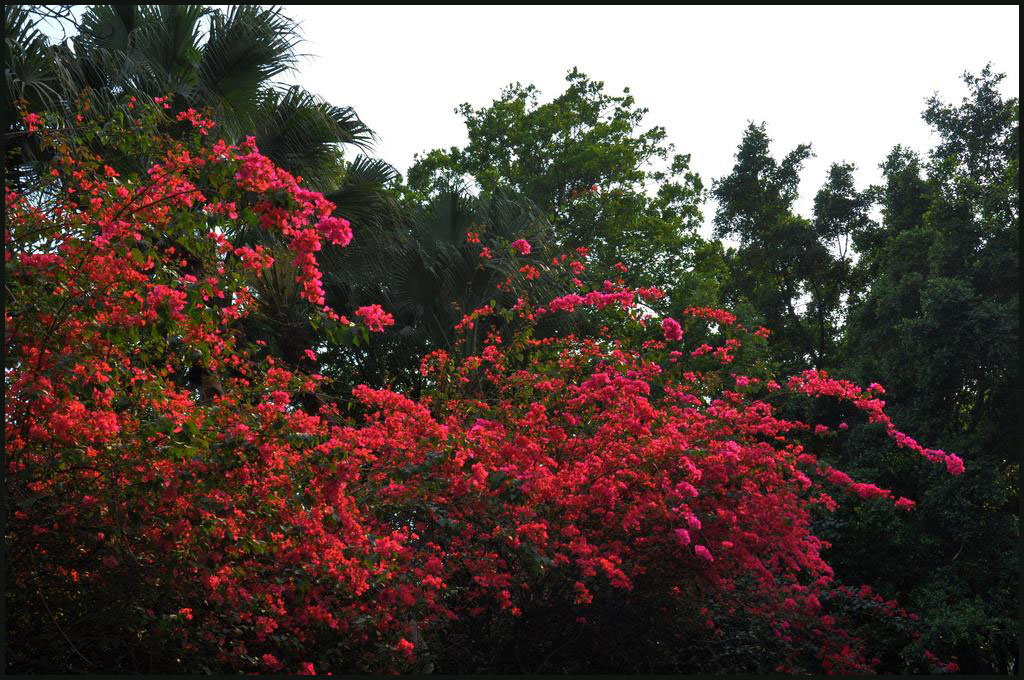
{"points": [[375, 317], [521, 246], [336, 230], [672, 330], [166, 484]]}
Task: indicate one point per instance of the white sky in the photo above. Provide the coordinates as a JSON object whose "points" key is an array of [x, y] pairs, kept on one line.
{"points": [[850, 81]]}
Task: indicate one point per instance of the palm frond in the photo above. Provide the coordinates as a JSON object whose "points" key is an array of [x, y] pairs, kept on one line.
{"points": [[30, 71], [245, 49], [168, 37], [363, 196], [302, 133], [108, 27]]}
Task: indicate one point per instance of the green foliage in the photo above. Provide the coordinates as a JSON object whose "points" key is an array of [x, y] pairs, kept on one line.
{"points": [[939, 327], [586, 161], [782, 267], [926, 303], [200, 57], [424, 269], [923, 300]]}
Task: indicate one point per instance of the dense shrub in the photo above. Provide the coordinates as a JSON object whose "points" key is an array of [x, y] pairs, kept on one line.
{"points": [[170, 507]]}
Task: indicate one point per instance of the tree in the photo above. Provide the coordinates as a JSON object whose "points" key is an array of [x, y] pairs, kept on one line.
{"points": [[769, 268], [795, 273], [938, 325], [586, 161], [225, 64], [437, 264], [105, 323], [154, 524], [222, 60], [841, 217]]}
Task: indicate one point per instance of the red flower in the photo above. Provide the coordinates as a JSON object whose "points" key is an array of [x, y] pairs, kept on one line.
{"points": [[600, 456], [337, 230], [271, 663], [672, 330], [375, 317], [406, 648]]}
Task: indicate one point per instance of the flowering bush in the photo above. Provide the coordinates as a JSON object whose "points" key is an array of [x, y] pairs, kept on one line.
{"points": [[521, 246], [157, 520], [143, 500]]}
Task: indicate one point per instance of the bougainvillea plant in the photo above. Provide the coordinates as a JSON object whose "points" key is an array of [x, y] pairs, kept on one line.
{"points": [[170, 507]]}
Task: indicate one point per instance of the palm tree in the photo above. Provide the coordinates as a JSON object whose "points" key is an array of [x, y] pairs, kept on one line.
{"points": [[422, 268], [225, 61], [203, 58], [413, 259]]}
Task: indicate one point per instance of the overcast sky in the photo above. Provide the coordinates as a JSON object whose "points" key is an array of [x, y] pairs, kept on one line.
{"points": [[850, 81]]}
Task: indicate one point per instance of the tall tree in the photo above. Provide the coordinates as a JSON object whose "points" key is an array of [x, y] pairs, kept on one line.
{"points": [[767, 267], [842, 214], [440, 262], [939, 327], [586, 160], [791, 273], [223, 60]]}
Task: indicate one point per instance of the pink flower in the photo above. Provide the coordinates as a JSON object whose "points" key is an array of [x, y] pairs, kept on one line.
{"points": [[703, 552], [306, 668], [375, 317], [954, 464], [682, 536], [32, 120], [271, 662], [673, 331], [479, 473], [522, 246], [337, 230], [254, 259], [406, 648], [905, 503], [529, 271]]}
